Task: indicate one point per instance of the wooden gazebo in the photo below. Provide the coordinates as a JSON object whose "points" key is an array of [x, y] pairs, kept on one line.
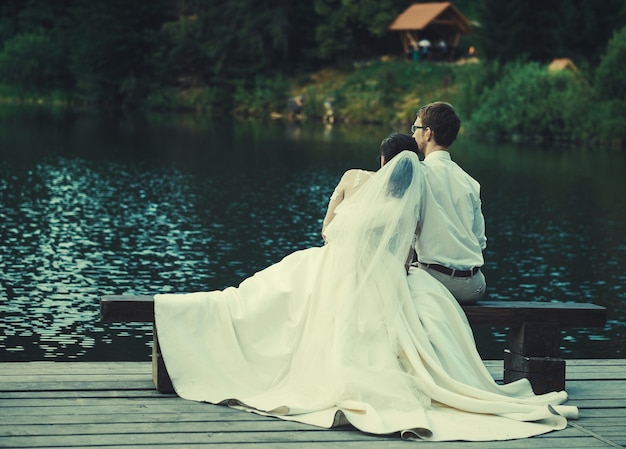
{"points": [[437, 23]]}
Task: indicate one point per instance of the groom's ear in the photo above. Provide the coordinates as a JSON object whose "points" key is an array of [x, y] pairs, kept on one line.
{"points": [[427, 133]]}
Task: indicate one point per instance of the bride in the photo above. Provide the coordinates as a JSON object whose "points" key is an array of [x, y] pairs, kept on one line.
{"points": [[341, 334]]}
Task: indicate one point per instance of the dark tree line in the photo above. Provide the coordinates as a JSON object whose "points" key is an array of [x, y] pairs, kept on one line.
{"points": [[116, 52], [540, 30]]}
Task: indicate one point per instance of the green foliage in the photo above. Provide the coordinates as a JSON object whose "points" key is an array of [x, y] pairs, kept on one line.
{"points": [[263, 96], [531, 103], [248, 37], [610, 79], [381, 92], [584, 27], [193, 99], [540, 30], [353, 29], [248, 56], [179, 57], [500, 29], [113, 41], [474, 81], [33, 61]]}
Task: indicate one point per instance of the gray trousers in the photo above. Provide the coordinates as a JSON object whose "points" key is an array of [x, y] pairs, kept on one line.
{"points": [[466, 290]]}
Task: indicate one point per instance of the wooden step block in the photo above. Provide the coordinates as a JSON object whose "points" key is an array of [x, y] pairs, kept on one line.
{"points": [[545, 374], [160, 376]]}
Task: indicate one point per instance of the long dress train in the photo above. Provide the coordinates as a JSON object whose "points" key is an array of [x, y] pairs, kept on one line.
{"points": [[341, 334]]}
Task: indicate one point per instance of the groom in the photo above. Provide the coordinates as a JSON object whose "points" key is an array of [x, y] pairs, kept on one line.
{"points": [[452, 232]]}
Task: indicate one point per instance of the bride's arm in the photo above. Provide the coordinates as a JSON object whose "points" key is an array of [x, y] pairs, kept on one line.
{"points": [[348, 184], [335, 199]]}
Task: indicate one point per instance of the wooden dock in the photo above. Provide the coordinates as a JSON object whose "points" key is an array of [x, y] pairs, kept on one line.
{"points": [[115, 405]]}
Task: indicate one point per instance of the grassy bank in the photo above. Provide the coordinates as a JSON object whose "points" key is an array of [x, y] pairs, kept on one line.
{"points": [[381, 91], [518, 101]]}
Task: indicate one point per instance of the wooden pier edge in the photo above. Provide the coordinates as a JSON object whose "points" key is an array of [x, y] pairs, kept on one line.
{"points": [[113, 405]]}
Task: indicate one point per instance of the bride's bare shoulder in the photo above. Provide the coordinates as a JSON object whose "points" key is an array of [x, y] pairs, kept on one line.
{"points": [[354, 176], [353, 179]]}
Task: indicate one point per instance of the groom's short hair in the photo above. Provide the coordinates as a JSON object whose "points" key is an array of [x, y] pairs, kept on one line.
{"points": [[443, 120]]}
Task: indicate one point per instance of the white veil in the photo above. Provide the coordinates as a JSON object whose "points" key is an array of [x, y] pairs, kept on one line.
{"points": [[347, 353], [373, 231]]}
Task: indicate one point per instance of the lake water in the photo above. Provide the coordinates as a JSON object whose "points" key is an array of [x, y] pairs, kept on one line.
{"points": [[128, 204]]}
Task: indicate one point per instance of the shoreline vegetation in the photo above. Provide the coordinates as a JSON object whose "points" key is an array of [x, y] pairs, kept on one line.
{"points": [[520, 101], [325, 60]]}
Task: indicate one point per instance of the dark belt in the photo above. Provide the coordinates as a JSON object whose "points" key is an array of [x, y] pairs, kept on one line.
{"points": [[450, 271]]}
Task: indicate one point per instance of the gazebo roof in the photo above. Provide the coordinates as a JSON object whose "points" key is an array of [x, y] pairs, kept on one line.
{"points": [[420, 15]]}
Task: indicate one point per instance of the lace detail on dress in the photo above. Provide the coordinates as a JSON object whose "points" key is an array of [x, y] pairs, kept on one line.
{"points": [[357, 178]]}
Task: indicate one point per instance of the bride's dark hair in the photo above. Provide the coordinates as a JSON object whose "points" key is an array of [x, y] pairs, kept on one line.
{"points": [[400, 178], [390, 147], [394, 143]]}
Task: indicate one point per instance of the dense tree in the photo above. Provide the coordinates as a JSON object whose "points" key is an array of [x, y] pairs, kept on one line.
{"points": [[540, 30], [251, 36], [36, 39], [499, 28], [34, 62], [513, 30], [113, 42], [179, 57], [351, 29], [584, 28], [119, 52], [9, 11], [610, 80]]}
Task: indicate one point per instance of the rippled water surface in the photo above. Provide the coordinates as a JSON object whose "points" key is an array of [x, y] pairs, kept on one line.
{"points": [[135, 205]]}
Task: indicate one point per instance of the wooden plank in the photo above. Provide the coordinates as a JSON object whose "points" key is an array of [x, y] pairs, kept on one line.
{"points": [[155, 428], [594, 413], [599, 403], [184, 438], [140, 407], [94, 417], [125, 308], [599, 362], [514, 313], [68, 378], [112, 417], [84, 385], [605, 389], [274, 425], [562, 444], [82, 368], [295, 440], [148, 393]]}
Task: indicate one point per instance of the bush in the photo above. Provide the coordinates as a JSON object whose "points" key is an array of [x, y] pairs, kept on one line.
{"points": [[263, 96], [529, 102], [198, 99], [474, 80], [610, 78], [33, 61]]}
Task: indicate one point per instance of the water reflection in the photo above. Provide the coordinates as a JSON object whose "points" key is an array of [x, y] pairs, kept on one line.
{"points": [[110, 205]]}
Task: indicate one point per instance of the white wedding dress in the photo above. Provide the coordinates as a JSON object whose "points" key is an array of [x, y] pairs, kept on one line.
{"points": [[336, 335]]}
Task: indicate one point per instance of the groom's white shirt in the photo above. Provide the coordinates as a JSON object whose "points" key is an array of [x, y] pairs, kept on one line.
{"points": [[453, 227]]}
